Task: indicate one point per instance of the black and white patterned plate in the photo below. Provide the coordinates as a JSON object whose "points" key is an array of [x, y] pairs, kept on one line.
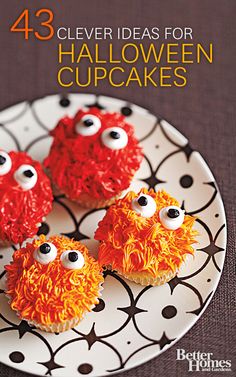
{"points": [[131, 324]]}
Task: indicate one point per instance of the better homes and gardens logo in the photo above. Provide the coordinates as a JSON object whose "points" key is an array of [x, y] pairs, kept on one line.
{"points": [[202, 361]]}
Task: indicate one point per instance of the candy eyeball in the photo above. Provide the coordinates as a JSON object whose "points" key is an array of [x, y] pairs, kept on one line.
{"points": [[5, 163], [171, 217], [26, 176], [144, 205], [72, 259], [88, 125], [114, 138], [45, 253]]}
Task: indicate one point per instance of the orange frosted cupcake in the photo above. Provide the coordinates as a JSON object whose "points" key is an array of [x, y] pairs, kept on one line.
{"points": [[53, 283], [145, 237]]}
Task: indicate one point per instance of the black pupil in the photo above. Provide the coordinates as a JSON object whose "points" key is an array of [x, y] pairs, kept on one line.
{"points": [[115, 135], [28, 173], [45, 248], [2, 160], [73, 256], [173, 213], [88, 122], [142, 201]]}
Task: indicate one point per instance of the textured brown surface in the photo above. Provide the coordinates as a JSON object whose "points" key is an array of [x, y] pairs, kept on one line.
{"points": [[204, 111]]}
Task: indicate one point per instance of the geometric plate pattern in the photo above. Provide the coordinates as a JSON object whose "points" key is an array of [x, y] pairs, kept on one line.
{"points": [[131, 324]]}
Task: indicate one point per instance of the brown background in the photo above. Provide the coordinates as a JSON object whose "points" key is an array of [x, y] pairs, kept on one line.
{"points": [[204, 111]]}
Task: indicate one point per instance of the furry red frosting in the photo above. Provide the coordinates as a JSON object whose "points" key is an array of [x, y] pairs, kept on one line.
{"points": [[25, 196], [94, 153]]}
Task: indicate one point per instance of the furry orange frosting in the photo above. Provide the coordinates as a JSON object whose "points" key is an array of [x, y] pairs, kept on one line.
{"points": [[53, 281], [145, 232]]}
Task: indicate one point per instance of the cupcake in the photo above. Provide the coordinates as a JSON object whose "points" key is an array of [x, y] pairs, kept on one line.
{"points": [[53, 283], [94, 157], [145, 237], [25, 197]]}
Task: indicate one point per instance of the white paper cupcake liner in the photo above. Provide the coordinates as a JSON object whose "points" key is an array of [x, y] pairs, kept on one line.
{"points": [[145, 278]]}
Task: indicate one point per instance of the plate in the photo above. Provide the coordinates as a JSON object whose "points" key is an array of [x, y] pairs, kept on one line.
{"points": [[131, 324]]}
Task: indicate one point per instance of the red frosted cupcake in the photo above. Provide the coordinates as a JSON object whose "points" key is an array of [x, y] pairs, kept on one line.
{"points": [[25, 197], [94, 157]]}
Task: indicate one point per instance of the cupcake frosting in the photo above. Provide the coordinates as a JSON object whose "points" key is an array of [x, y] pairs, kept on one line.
{"points": [[145, 232], [95, 153], [52, 281], [25, 196]]}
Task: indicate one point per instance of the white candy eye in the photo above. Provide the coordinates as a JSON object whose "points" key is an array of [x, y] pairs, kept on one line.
{"points": [[46, 253], [88, 125], [26, 176], [5, 163], [171, 217], [145, 205], [115, 138], [72, 259]]}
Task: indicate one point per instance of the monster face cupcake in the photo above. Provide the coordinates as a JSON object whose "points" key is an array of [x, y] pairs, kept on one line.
{"points": [[94, 157], [53, 283], [145, 237], [25, 197]]}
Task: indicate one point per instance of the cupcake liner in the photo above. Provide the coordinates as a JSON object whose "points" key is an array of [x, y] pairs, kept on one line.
{"points": [[145, 278], [55, 190], [87, 201], [5, 243], [56, 327]]}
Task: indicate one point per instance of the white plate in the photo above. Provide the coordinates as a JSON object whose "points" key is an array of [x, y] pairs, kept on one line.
{"points": [[131, 324]]}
